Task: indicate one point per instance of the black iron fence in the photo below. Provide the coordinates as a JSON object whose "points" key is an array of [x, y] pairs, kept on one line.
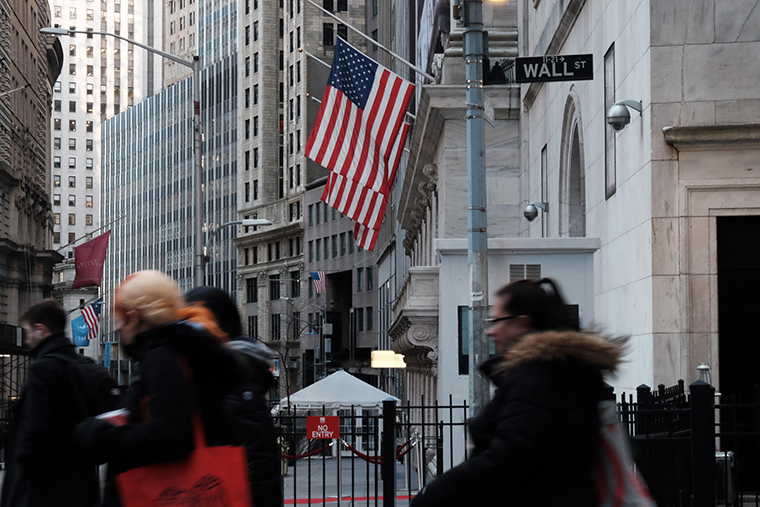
{"points": [[380, 455], [695, 449]]}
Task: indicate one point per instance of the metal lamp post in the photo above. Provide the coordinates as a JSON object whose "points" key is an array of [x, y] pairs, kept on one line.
{"points": [[195, 65]]}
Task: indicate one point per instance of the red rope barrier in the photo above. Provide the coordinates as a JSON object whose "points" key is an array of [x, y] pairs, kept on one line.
{"points": [[290, 456], [379, 459]]}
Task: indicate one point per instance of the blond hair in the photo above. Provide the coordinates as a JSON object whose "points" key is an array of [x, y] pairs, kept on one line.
{"points": [[152, 294]]}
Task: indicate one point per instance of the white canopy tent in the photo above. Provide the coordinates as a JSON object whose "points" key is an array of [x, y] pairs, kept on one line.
{"points": [[339, 390]]}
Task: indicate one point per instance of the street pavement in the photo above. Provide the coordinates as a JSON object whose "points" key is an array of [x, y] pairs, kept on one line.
{"points": [[355, 482]]}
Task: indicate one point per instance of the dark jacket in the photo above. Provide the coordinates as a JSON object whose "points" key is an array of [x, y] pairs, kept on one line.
{"points": [[254, 428], [43, 463], [536, 442], [162, 398]]}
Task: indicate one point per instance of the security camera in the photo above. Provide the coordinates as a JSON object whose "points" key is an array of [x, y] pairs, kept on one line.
{"points": [[531, 212], [618, 116]]}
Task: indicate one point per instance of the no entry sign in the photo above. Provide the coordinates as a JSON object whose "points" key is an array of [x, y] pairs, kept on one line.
{"points": [[320, 427]]}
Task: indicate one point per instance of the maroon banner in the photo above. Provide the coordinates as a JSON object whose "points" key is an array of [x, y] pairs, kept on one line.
{"points": [[89, 259]]}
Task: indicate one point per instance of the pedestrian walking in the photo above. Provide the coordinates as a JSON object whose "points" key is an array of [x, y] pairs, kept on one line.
{"points": [[536, 443], [248, 409], [180, 369], [43, 465]]}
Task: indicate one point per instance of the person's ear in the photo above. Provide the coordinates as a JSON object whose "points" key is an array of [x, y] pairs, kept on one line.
{"points": [[522, 324]]}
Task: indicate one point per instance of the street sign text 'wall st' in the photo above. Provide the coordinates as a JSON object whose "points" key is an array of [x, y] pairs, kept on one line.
{"points": [[537, 69], [319, 427]]}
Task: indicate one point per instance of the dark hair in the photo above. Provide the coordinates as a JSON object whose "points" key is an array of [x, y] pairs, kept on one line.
{"points": [[221, 305], [47, 312], [546, 308]]}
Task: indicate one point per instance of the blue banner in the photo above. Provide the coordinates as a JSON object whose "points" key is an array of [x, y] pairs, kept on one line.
{"points": [[79, 332], [107, 355]]}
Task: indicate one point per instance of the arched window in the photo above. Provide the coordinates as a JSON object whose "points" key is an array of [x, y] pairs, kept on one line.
{"points": [[572, 199]]}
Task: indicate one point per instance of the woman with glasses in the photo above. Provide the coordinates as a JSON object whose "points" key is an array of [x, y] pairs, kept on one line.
{"points": [[536, 442]]}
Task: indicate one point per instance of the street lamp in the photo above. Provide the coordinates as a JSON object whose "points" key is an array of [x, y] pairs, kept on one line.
{"points": [[195, 65], [248, 222]]}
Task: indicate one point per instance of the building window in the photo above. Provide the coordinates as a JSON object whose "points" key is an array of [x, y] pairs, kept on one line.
{"points": [[610, 177], [72, 87], [255, 94], [251, 290], [56, 199], [295, 283], [72, 13], [342, 31], [247, 98], [369, 318], [88, 220], [253, 326], [72, 69], [57, 218], [247, 129], [255, 126], [248, 160], [56, 124], [72, 200], [72, 219], [88, 144], [247, 35], [360, 319], [311, 251], [359, 279], [255, 62], [72, 106], [328, 38], [72, 144], [57, 238], [57, 105], [255, 190], [88, 182], [247, 66], [255, 30], [88, 126], [247, 192], [326, 243], [275, 327], [274, 287], [342, 5], [319, 249], [334, 245], [57, 177], [88, 201], [255, 158], [88, 163], [72, 182], [328, 5]]}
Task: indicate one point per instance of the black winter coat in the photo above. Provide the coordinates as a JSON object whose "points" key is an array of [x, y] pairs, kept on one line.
{"points": [[254, 429], [161, 401], [536, 442], [43, 465]]}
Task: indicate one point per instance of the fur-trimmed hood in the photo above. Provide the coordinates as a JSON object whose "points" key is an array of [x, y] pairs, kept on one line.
{"points": [[593, 349]]}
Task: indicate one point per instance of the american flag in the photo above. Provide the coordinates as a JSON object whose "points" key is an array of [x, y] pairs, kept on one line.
{"points": [[358, 135], [318, 279], [91, 314]]}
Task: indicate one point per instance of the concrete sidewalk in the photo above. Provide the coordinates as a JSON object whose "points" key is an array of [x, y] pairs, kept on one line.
{"points": [[358, 482]]}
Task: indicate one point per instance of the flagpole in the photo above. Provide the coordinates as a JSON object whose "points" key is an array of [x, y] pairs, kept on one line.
{"points": [[373, 41], [84, 304]]}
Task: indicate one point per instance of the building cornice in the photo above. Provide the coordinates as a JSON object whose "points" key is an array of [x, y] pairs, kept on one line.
{"points": [[713, 137], [522, 245]]}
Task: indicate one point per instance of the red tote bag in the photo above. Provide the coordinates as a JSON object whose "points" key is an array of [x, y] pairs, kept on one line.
{"points": [[209, 477]]}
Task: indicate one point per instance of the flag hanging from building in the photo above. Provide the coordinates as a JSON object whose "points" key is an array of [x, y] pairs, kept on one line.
{"points": [[318, 278], [358, 135], [88, 260], [79, 332], [91, 314]]}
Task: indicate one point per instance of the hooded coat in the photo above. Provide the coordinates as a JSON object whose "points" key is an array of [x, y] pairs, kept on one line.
{"points": [[537, 441], [43, 463], [162, 398]]}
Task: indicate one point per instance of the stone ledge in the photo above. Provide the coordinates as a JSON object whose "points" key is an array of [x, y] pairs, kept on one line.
{"points": [[522, 245], [713, 137]]}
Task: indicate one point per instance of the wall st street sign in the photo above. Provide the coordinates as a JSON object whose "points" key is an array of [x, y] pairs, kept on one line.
{"points": [[539, 69]]}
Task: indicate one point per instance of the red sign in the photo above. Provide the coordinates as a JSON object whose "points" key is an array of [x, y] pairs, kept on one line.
{"points": [[319, 427]]}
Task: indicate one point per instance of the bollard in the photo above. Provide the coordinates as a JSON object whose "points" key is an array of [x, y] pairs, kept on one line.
{"points": [[388, 466]]}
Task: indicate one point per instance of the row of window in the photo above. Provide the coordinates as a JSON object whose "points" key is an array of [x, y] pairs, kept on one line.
{"points": [[359, 318], [57, 237], [90, 106], [72, 162], [320, 246], [72, 200], [72, 181], [173, 5], [173, 24], [275, 251], [252, 287], [316, 212], [88, 143], [72, 125], [72, 219]]}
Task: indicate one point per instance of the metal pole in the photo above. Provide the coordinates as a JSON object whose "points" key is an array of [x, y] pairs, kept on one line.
{"points": [[477, 246], [198, 273], [388, 450]]}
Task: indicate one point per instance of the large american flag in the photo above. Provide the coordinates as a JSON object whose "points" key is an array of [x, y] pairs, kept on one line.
{"points": [[91, 314], [358, 135]]}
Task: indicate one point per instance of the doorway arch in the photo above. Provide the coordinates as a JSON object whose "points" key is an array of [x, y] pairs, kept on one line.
{"points": [[572, 174]]}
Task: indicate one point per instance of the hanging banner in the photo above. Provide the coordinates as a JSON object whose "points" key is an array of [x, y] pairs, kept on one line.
{"points": [[79, 332]]}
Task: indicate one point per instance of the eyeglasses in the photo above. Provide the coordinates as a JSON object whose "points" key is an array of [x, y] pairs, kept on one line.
{"points": [[494, 320]]}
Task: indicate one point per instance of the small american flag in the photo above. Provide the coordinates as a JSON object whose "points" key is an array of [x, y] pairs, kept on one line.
{"points": [[318, 279], [91, 314], [358, 135]]}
